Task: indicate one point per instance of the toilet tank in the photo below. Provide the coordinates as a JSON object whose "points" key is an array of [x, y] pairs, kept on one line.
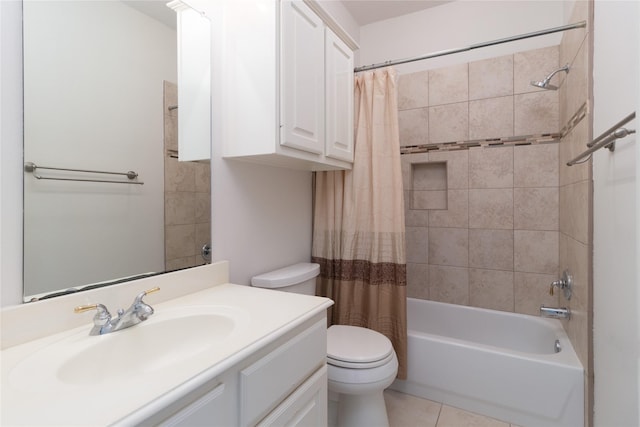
{"points": [[298, 278]]}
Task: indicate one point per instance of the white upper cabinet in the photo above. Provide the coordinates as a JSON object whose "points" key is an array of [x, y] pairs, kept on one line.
{"points": [[339, 105], [302, 77], [286, 96], [194, 82]]}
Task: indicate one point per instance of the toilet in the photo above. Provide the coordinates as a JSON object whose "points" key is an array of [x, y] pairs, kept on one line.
{"points": [[361, 362]]}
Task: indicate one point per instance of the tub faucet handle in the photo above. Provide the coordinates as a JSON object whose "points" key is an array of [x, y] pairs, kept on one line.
{"points": [[565, 283]]}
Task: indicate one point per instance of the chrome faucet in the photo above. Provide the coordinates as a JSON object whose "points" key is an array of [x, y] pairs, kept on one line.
{"points": [[555, 313], [103, 323]]}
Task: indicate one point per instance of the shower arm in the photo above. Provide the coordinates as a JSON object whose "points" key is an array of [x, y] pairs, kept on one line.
{"points": [[550, 76]]}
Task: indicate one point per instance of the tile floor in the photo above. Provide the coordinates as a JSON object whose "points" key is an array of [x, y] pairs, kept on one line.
{"points": [[405, 410]]}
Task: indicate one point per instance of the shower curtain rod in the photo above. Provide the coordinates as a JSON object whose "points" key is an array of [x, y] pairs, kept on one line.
{"points": [[580, 24]]}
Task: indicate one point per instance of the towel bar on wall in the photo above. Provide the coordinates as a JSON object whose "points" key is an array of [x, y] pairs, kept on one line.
{"points": [[606, 139], [131, 175]]}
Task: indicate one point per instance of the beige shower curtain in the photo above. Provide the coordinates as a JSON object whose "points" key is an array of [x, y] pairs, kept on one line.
{"points": [[358, 233]]}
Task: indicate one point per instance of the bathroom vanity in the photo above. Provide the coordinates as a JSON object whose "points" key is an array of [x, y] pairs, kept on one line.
{"points": [[213, 353]]}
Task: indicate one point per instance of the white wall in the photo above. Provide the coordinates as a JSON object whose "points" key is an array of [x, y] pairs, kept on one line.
{"points": [[616, 294], [10, 153], [337, 10], [93, 99], [261, 215], [459, 24]]}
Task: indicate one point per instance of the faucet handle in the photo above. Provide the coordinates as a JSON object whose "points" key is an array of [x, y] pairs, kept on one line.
{"points": [[82, 308], [565, 283], [152, 290], [102, 316], [141, 309], [143, 293]]}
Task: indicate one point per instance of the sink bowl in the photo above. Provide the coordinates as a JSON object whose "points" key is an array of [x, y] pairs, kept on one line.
{"points": [[175, 338]]}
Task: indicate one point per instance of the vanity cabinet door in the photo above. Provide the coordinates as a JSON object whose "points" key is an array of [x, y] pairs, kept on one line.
{"points": [[213, 408], [302, 78], [306, 406], [281, 372]]}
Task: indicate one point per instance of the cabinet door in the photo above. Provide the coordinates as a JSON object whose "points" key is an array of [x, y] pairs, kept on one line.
{"points": [[280, 372], [339, 98], [194, 84], [214, 408], [305, 407], [302, 78]]}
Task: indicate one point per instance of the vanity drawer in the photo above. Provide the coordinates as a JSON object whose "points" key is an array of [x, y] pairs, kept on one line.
{"points": [[272, 378]]}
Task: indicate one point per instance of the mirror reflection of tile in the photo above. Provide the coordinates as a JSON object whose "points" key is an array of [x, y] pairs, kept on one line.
{"points": [[187, 194]]}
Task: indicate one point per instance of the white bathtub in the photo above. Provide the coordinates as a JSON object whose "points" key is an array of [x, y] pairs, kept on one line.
{"points": [[494, 363]]}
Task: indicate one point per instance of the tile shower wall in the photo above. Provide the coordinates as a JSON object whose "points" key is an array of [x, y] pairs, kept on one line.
{"points": [[576, 192], [187, 196], [496, 243]]}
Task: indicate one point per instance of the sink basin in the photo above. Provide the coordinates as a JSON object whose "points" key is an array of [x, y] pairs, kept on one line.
{"points": [[169, 339]]}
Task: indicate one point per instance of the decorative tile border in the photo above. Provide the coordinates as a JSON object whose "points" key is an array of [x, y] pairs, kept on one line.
{"points": [[545, 138], [575, 119], [486, 143]]}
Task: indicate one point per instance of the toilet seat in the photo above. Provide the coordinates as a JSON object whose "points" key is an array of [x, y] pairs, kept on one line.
{"points": [[357, 348]]}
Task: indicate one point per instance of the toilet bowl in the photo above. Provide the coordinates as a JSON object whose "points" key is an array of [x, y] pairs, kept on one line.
{"points": [[361, 362]]}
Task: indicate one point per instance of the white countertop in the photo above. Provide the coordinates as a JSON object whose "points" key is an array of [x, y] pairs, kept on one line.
{"points": [[37, 397]]}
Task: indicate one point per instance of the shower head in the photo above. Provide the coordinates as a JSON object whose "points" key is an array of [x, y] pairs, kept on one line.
{"points": [[544, 84]]}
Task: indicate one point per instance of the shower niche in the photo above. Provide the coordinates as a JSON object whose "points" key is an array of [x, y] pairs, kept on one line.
{"points": [[428, 186]]}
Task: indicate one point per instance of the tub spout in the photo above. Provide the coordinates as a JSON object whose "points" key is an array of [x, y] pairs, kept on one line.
{"points": [[555, 313]]}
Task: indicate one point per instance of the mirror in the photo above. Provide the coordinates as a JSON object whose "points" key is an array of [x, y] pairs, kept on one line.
{"points": [[100, 94]]}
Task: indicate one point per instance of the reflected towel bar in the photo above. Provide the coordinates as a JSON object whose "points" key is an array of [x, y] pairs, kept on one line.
{"points": [[606, 139], [31, 167]]}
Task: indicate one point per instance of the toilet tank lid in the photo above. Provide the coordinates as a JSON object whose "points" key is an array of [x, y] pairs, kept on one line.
{"points": [[286, 276]]}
